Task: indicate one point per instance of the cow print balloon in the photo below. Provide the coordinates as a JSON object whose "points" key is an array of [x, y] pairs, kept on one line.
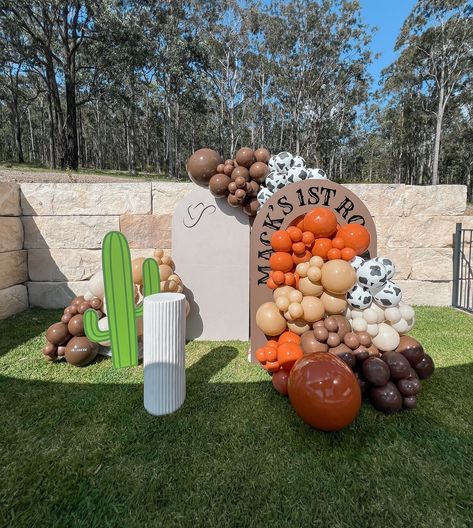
{"points": [[275, 181], [283, 162], [272, 163], [373, 275], [298, 161], [389, 295], [296, 174], [263, 195], [356, 262], [359, 297], [317, 174], [388, 264]]}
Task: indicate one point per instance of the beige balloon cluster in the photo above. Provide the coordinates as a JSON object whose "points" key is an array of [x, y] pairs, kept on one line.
{"points": [[321, 291]]}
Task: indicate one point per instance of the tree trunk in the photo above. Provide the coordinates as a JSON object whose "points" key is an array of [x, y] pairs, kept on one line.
{"points": [[438, 133], [33, 150]]}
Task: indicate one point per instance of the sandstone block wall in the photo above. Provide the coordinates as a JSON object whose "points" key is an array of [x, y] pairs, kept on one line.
{"points": [[51, 234], [13, 258]]}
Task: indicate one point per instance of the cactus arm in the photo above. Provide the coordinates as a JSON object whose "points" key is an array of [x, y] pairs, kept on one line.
{"points": [[91, 327], [120, 295], [151, 278]]}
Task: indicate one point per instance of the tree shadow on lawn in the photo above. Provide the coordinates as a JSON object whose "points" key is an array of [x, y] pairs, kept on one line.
{"points": [[233, 454]]}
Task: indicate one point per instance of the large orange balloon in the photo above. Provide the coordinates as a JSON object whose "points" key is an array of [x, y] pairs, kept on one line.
{"points": [[355, 237], [324, 391], [281, 261], [321, 221]]}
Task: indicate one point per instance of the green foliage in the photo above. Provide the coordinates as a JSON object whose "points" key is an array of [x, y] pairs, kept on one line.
{"points": [[120, 298], [235, 454]]}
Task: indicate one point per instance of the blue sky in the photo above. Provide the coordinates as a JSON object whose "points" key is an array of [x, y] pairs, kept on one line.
{"points": [[388, 16]]}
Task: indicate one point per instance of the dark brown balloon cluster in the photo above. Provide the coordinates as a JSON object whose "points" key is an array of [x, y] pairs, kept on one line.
{"points": [[391, 380], [238, 180], [67, 339]]}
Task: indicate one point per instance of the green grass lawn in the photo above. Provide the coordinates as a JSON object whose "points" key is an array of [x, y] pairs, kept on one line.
{"points": [[78, 448]]}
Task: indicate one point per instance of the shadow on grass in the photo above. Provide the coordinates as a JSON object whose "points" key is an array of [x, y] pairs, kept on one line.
{"points": [[234, 454]]}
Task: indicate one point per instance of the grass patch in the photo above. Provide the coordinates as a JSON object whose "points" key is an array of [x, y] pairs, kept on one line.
{"points": [[78, 449]]}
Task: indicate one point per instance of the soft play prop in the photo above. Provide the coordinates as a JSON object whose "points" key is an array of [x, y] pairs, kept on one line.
{"points": [[211, 250], [324, 392], [120, 294], [164, 342]]}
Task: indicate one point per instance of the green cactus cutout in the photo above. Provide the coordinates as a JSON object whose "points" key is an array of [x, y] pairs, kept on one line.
{"points": [[120, 296]]}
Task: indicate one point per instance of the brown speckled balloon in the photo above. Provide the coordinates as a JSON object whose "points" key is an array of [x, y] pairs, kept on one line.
{"points": [[245, 157], [202, 165]]}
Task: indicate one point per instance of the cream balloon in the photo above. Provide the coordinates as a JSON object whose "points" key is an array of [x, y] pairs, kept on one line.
{"points": [[295, 296], [282, 303], [393, 315], [401, 326], [359, 325], [379, 311], [103, 326], [407, 312], [103, 308], [96, 285], [307, 287], [372, 329], [282, 291], [299, 326], [333, 304], [314, 274], [269, 319], [137, 270], [370, 316], [316, 261], [313, 308], [387, 338]]}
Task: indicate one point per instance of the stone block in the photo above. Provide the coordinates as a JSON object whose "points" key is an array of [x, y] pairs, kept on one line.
{"points": [[145, 231], [432, 264], [401, 259], [13, 269], [166, 195], [67, 232], [75, 199], [380, 198], [425, 200], [63, 265], [437, 293], [9, 199], [54, 294], [11, 234], [13, 300]]}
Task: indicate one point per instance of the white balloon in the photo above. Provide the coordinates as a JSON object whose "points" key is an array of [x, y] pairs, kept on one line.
{"points": [[103, 325], [347, 313], [401, 326], [373, 329], [387, 338], [356, 314], [406, 311], [96, 285], [103, 308], [379, 311], [370, 316], [410, 324], [359, 325], [393, 315]]}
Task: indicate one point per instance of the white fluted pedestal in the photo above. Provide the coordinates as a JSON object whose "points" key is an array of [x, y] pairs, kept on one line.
{"points": [[164, 339]]}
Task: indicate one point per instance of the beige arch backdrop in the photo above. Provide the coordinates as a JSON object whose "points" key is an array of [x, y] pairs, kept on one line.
{"points": [[283, 208]]}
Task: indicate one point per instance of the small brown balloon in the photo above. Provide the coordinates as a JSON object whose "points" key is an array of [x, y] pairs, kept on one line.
{"points": [[411, 349], [375, 371], [76, 325], [50, 350], [84, 306], [137, 270], [96, 303], [333, 340], [364, 338], [351, 340], [228, 169], [259, 171], [80, 351], [77, 300], [232, 187], [240, 194], [240, 182], [321, 333], [387, 398], [71, 310], [165, 271], [409, 402], [233, 200], [361, 355], [66, 318], [398, 365], [241, 171], [409, 386], [319, 323], [425, 368], [61, 351], [331, 324], [57, 334], [310, 344], [229, 162], [343, 325], [220, 167], [202, 165], [348, 358], [262, 155], [245, 157], [251, 207], [218, 185], [254, 188]]}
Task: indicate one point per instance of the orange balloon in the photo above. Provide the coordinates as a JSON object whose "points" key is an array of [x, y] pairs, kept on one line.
{"points": [[333, 254], [324, 391], [338, 242], [305, 257], [261, 355], [322, 247], [321, 221], [298, 248], [271, 284], [289, 279], [271, 354], [300, 224], [288, 354], [281, 241], [355, 236], [295, 233], [272, 366], [281, 261], [308, 238], [272, 343], [278, 277], [289, 337], [348, 253]]}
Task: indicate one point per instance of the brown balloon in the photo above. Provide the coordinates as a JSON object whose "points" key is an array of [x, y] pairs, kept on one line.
{"points": [[80, 351], [202, 165], [333, 339], [343, 325], [321, 333], [232, 187], [310, 344], [411, 349], [240, 194], [280, 379], [228, 169], [218, 185], [364, 338], [387, 398], [409, 402], [262, 155], [245, 157], [233, 200], [351, 340], [240, 182], [84, 306], [348, 358], [425, 368], [251, 207], [96, 303], [50, 351], [398, 365], [57, 334], [259, 171], [230, 162], [254, 188], [66, 318], [409, 386], [220, 167], [71, 310], [375, 371], [77, 300], [76, 325], [331, 324], [241, 171]]}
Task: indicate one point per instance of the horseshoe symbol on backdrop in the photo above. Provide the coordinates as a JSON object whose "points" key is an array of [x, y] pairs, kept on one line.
{"points": [[194, 219]]}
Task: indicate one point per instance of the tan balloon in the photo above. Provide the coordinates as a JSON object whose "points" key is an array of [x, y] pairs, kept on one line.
{"points": [[313, 308], [338, 276], [282, 303], [295, 310], [167, 259], [307, 287], [165, 272], [314, 273], [158, 253], [137, 270], [282, 291], [269, 319], [295, 296], [302, 269], [299, 326], [334, 304], [316, 261]]}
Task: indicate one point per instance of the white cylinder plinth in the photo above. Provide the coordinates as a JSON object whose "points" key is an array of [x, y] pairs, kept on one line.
{"points": [[164, 340]]}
